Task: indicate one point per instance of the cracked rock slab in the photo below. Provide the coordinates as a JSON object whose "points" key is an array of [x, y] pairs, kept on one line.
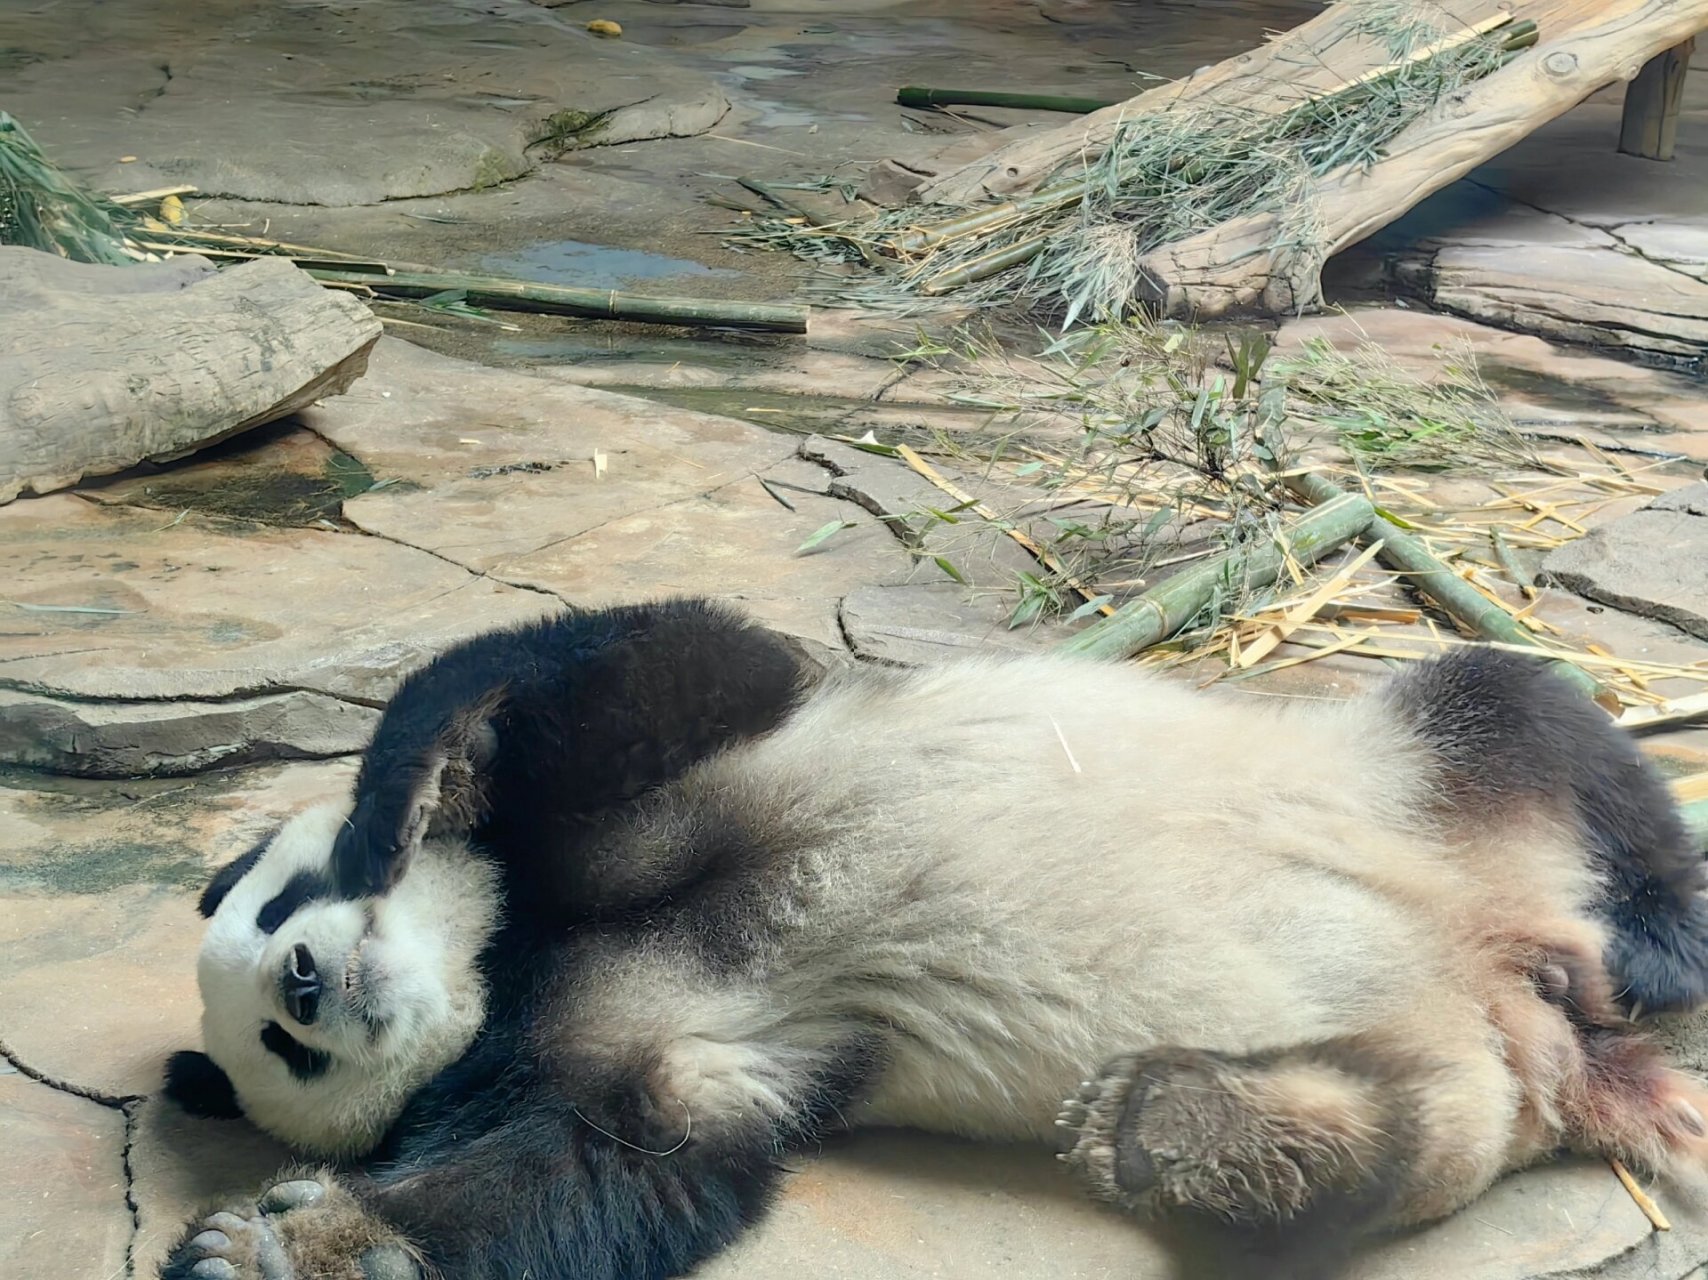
{"points": [[500, 474], [300, 103], [121, 604], [925, 622], [498, 464], [62, 1183], [1653, 562], [1591, 294], [143, 739], [893, 1204]]}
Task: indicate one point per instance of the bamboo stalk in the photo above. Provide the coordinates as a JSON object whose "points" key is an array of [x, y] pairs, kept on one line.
{"points": [[1166, 608], [603, 304], [1457, 598], [915, 96], [988, 265], [1509, 562]]}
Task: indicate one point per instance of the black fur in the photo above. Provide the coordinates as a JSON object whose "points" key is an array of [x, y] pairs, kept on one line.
{"points": [[304, 1063], [230, 874], [200, 1087], [1509, 731], [595, 709], [302, 888]]}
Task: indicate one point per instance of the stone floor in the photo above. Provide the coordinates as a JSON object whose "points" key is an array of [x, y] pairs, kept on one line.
{"points": [[191, 652]]}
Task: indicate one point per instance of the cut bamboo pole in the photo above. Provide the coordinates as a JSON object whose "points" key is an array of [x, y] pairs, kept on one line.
{"points": [[1163, 610], [1456, 597], [602, 304], [915, 96]]}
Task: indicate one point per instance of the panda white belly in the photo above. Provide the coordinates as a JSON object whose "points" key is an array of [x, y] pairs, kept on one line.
{"points": [[1127, 868]]}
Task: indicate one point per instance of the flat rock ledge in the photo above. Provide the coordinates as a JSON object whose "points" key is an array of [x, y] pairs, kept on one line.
{"points": [[1653, 562]]}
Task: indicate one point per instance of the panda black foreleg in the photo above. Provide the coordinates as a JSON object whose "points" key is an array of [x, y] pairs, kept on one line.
{"points": [[518, 737], [543, 1193]]}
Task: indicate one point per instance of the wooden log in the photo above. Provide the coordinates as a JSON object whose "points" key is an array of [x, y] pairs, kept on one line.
{"points": [[1649, 126], [1307, 60], [1238, 265], [105, 367], [1169, 606]]}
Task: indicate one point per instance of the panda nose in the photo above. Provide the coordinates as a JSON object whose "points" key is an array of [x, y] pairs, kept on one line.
{"points": [[300, 985]]}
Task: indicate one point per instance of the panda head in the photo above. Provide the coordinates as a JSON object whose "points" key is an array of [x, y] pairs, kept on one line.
{"points": [[328, 999]]}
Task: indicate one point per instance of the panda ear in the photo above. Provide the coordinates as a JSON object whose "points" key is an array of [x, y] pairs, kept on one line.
{"points": [[229, 875], [196, 1084]]}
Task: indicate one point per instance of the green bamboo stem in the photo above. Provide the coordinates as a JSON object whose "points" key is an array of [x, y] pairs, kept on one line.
{"points": [[1461, 602], [988, 265], [766, 192], [915, 96], [602, 304], [1170, 605]]}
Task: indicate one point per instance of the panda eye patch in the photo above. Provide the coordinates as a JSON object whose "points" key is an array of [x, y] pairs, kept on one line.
{"points": [[304, 1063], [304, 886]]}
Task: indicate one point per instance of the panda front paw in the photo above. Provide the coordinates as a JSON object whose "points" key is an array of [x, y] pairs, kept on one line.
{"points": [[301, 1229]]}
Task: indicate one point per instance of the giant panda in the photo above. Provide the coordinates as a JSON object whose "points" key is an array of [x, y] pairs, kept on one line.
{"points": [[628, 904]]}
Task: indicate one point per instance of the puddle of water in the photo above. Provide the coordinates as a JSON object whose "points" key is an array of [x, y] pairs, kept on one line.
{"points": [[597, 266]]}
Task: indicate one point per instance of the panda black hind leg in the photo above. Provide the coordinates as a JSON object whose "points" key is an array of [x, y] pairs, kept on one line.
{"points": [[1506, 731]]}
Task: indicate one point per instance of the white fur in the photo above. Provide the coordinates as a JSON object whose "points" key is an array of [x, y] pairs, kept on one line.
{"points": [[1026, 866], [409, 1003]]}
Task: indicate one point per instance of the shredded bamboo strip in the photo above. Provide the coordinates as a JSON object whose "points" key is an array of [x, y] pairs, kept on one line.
{"points": [[1651, 1210], [1305, 610], [1033, 548], [1403, 552], [1673, 712]]}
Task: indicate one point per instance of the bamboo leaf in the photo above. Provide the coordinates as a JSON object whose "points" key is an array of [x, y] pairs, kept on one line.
{"points": [[824, 534]]}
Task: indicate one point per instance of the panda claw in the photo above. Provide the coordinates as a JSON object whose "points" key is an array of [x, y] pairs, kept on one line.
{"points": [[211, 1241], [298, 1194], [388, 1262]]}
